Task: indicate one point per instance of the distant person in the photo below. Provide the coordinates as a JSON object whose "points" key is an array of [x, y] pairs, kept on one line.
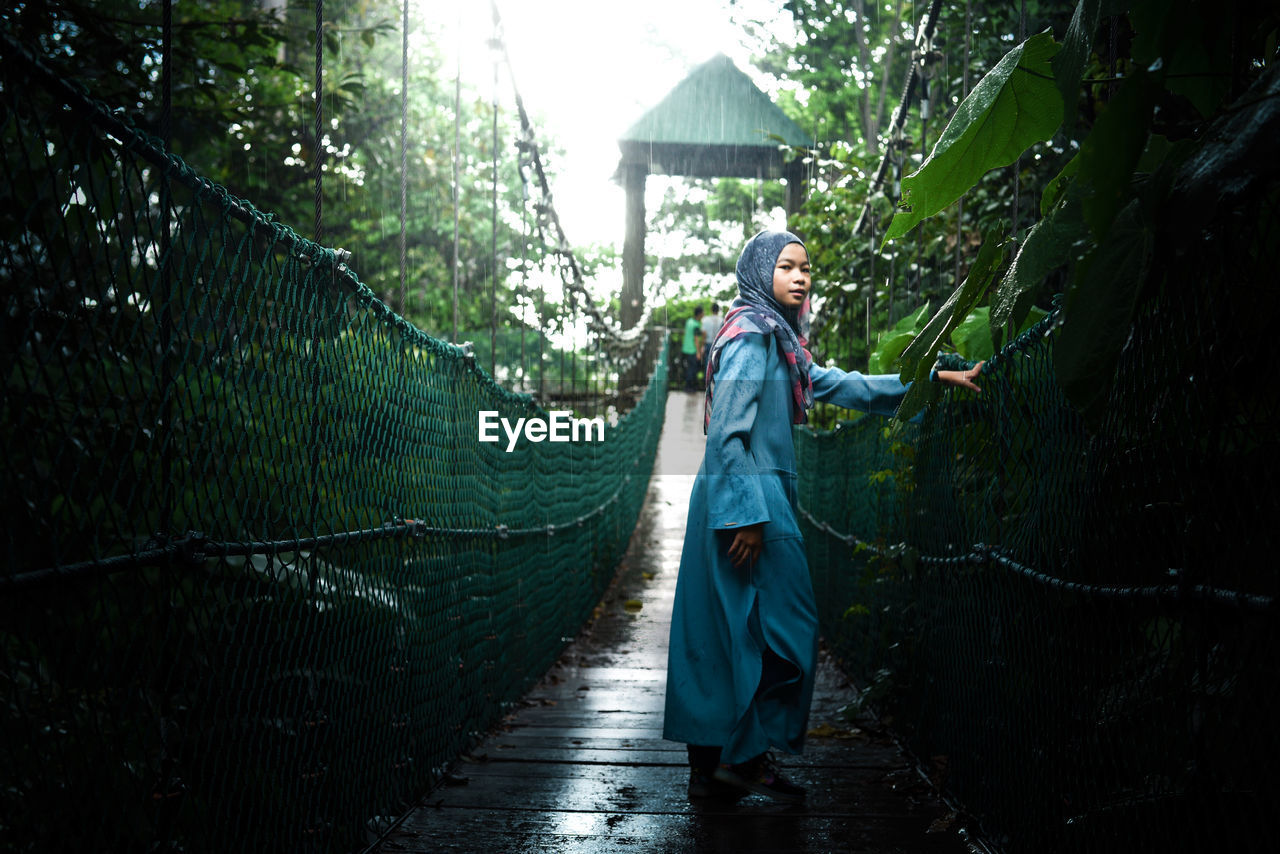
{"points": [[690, 347], [744, 629], [710, 328]]}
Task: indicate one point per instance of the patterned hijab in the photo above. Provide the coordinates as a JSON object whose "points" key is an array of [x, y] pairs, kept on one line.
{"points": [[755, 310]]}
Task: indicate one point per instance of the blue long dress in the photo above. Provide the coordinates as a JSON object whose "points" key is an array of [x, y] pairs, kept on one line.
{"points": [[722, 687]]}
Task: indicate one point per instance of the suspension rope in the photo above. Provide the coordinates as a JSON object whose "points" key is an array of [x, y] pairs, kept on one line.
{"points": [[457, 146], [964, 93], [166, 259], [493, 229], [979, 553], [871, 276], [404, 156], [166, 77], [522, 291], [1017, 164], [316, 344], [922, 52], [318, 230], [622, 346], [195, 548], [1017, 169]]}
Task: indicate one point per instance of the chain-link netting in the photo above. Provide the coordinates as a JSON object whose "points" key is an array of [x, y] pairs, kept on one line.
{"points": [[1074, 624], [262, 581]]}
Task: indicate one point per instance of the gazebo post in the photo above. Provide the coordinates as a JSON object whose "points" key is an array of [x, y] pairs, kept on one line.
{"points": [[632, 296], [633, 179]]}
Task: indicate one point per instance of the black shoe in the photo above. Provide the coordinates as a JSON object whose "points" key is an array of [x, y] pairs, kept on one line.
{"points": [[761, 776], [704, 786]]}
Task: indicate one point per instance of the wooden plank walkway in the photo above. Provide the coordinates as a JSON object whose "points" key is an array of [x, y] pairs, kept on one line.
{"points": [[582, 766]]}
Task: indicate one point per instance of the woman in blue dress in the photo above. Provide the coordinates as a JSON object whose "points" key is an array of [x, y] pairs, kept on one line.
{"points": [[744, 629]]}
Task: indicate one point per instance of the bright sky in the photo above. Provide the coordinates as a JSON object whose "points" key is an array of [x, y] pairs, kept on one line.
{"points": [[588, 69]]}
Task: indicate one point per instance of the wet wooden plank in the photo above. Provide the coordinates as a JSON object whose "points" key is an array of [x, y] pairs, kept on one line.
{"points": [[671, 756], [662, 789], [709, 831], [827, 753]]}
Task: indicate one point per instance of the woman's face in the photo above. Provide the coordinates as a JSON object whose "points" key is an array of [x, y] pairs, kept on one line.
{"points": [[791, 281]]}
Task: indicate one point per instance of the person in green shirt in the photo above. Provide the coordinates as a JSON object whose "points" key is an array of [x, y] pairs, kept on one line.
{"points": [[690, 348]]}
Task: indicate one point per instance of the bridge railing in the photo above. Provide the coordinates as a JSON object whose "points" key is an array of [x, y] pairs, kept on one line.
{"points": [[262, 580], [1073, 624]]}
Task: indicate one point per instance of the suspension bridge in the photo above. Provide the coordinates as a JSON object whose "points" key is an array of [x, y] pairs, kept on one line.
{"points": [[265, 590]]}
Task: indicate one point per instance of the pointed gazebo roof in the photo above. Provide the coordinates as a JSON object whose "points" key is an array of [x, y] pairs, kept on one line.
{"points": [[714, 123]]}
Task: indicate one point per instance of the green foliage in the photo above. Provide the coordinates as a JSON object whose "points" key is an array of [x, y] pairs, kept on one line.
{"points": [[1102, 211], [1016, 104], [848, 62], [710, 220], [893, 341], [243, 116], [1046, 247], [848, 54], [917, 358], [1077, 44]]}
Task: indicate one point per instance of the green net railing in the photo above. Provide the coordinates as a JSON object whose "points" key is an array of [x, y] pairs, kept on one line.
{"points": [[262, 582], [1074, 626]]}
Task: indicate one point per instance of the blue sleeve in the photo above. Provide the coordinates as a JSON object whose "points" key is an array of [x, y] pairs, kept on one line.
{"points": [[878, 394], [734, 489]]}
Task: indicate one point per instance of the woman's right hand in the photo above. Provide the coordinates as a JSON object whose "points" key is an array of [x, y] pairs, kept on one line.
{"points": [[747, 544], [964, 379]]}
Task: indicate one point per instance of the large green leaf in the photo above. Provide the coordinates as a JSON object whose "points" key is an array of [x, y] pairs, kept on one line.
{"points": [[972, 337], [957, 306], [1056, 188], [1189, 42], [891, 343], [1077, 46], [1014, 106], [1098, 311], [918, 358], [1053, 241], [1111, 151]]}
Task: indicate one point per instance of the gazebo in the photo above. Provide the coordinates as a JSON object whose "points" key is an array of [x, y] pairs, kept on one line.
{"points": [[715, 123]]}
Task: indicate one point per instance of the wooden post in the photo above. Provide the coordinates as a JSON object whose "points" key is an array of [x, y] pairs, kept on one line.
{"points": [[633, 180], [632, 297]]}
